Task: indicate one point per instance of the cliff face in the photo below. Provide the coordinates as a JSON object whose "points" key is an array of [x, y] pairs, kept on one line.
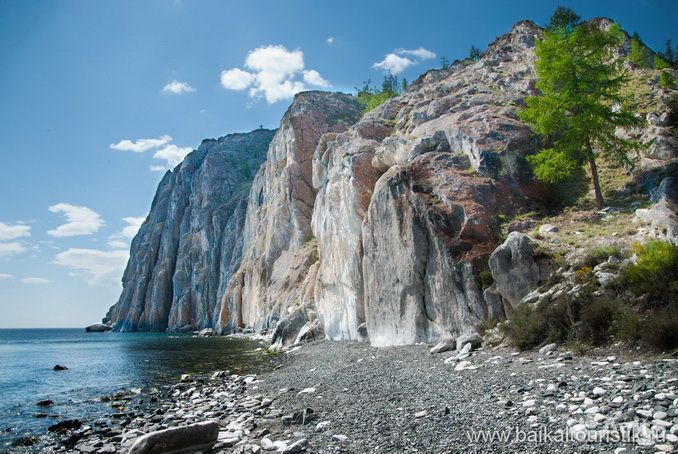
{"points": [[364, 227], [191, 242], [401, 220], [273, 278]]}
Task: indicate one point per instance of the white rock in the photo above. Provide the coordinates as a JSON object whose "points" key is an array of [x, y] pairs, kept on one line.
{"points": [[530, 403], [322, 425], [339, 438], [660, 415], [306, 391], [548, 348], [420, 414], [547, 229], [444, 346], [598, 391]]}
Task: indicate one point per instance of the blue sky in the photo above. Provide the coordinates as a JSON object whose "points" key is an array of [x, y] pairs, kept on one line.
{"points": [[79, 76]]}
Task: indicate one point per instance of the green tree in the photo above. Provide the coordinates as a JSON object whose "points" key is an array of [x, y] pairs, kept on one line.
{"points": [[638, 55], [390, 84], [474, 53], [579, 84], [563, 18], [404, 86], [668, 54], [444, 63]]}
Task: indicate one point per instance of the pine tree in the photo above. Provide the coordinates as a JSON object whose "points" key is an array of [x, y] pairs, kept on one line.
{"points": [[668, 54], [474, 53], [579, 83], [444, 63], [563, 18], [404, 86], [638, 55]]}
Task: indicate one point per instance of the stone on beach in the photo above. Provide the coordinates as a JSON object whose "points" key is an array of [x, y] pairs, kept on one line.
{"points": [[193, 438]]}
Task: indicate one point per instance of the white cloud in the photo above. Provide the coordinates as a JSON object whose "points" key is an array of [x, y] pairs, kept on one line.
{"points": [[313, 77], [141, 145], [36, 281], [97, 266], [274, 74], [177, 88], [236, 79], [394, 64], [330, 40], [11, 248], [81, 220], [121, 239], [12, 232], [172, 155], [4, 276], [420, 53]]}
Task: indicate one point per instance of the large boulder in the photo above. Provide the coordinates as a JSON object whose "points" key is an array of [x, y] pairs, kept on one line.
{"points": [[661, 220], [514, 269], [192, 438]]}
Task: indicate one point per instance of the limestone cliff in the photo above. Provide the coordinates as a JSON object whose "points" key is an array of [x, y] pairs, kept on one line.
{"points": [[191, 242], [276, 274]]}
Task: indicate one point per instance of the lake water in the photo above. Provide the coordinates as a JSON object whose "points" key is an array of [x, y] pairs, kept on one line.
{"points": [[100, 364]]}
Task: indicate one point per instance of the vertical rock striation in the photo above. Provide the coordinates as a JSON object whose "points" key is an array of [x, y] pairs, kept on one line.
{"points": [[274, 279], [191, 242], [408, 197]]}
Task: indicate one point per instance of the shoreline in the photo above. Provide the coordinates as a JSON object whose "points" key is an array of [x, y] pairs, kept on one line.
{"points": [[331, 397]]}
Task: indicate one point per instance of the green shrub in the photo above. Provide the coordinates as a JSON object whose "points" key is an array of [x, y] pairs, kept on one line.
{"points": [[666, 80], [660, 330], [547, 322], [584, 275], [655, 272], [597, 319], [627, 325], [486, 278], [373, 100], [526, 328], [560, 318]]}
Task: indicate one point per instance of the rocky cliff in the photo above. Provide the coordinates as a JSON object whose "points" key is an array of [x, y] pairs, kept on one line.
{"points": [[191, 242], [408, 199], [378, 226], [277, 273]]}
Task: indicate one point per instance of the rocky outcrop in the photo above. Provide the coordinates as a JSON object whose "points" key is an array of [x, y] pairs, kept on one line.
{"points": [[189, 245], [661, 220], [428, 228], [98, 328], [357, 226], [406, 269], [277, 273]]}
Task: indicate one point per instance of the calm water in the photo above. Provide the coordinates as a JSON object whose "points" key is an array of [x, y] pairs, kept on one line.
{"points": [[99, 364]]}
